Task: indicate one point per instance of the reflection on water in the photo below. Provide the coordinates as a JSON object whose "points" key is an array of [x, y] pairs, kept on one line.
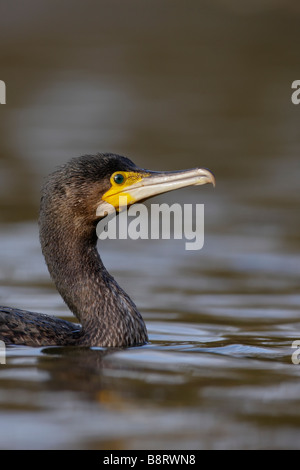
{"points": [[172, 87], [217, 371]]}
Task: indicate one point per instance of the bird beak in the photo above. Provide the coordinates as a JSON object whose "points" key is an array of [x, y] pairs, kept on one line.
{"points": [[143, 184]]}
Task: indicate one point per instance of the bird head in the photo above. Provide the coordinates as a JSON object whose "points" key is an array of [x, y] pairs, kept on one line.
{"points": [[127, 184]]}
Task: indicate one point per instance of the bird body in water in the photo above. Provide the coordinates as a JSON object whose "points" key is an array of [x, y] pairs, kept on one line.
{"points": [[74, 199]]}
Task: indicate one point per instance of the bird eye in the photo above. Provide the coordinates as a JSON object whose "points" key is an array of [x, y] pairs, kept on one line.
{"points": [[119, 178]]}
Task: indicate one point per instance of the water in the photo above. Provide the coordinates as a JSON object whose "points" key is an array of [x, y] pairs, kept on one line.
{"points": [[216, 374], [207, 85]]}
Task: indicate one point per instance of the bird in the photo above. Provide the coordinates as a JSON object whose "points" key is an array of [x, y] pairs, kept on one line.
{"points": [[74, 198]]}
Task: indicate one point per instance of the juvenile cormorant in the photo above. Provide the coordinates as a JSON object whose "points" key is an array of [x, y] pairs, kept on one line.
{"points": [[74, 198]]}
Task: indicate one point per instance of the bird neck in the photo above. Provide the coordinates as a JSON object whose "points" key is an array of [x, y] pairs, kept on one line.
{"points": [[107, 314]]}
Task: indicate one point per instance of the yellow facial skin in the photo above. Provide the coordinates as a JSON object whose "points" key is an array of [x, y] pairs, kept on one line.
{"points": [[120, 189]]}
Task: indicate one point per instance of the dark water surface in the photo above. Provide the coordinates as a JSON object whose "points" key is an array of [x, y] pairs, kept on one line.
{"points": [[173, 86]]}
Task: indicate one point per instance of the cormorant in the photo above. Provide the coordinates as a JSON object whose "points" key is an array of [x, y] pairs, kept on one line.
{"points": [[74, 198]]}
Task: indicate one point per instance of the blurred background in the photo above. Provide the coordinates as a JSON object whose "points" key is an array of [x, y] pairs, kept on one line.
{"points": [[171, 85], [207, 83]]}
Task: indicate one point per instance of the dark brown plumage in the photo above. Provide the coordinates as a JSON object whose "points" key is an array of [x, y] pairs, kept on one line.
{"points": [[68, 238], [67, 222]]}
